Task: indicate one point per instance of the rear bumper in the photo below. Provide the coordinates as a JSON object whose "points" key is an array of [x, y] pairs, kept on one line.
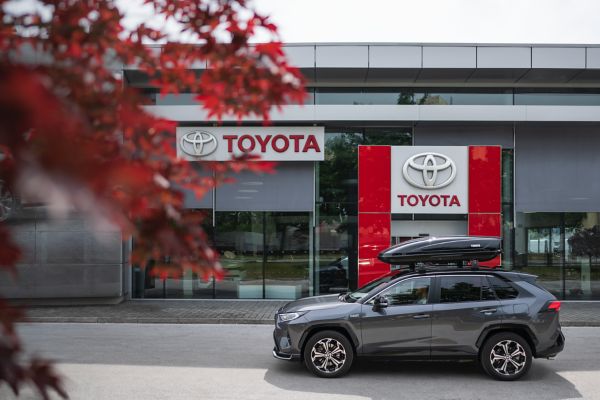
{"points": [[553, 350]]}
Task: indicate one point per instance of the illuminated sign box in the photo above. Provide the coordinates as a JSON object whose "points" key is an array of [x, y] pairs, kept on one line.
{"points": [[270, 143], [430, 180]]}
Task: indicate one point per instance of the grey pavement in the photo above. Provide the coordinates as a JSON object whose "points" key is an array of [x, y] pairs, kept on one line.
{"points": [[184, 361], [227, 311], [163, 311]]}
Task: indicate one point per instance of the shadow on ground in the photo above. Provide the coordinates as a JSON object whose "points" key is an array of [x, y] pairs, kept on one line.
{"points": [[423, 380]]}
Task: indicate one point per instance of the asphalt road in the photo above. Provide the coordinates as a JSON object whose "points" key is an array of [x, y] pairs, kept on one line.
{"points": [[152, 361]]}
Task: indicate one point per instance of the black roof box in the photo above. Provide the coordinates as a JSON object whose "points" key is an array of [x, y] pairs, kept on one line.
{"points": [[443, 249]]}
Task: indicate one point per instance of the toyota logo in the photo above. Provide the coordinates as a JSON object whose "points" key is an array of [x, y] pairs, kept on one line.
{"points": [[429, 166], [198, 143]]}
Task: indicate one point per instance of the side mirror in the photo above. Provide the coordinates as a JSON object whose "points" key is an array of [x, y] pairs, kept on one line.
{"points": [[380, 302]]}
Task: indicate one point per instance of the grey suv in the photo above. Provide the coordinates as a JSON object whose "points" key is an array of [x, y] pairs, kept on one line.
{"points": [[502, 319]]}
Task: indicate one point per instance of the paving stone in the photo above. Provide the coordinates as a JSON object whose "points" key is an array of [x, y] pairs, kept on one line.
{"points": [[161, 311], [227, 312]]}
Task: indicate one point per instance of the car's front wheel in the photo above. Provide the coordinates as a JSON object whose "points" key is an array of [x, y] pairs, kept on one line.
{"points": [[506, 356], [328, 354]]}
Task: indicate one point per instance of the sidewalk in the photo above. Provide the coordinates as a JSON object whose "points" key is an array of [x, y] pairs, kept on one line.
{"points": [[227, 312], [163, 312]]}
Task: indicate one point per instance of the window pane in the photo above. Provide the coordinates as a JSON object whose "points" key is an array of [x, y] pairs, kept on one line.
{"points": [[287, 261], [457, 97], [338, 173], [186, 99], [582, 256], [377, 96], [240, 243], [339, 96], [147, 283], [412, 291], [460, 288], [336, 234], [508, 222], [503, 289], [557, 99]]}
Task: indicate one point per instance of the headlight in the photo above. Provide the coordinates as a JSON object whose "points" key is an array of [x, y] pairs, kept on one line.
{"points": [[285, 317]]}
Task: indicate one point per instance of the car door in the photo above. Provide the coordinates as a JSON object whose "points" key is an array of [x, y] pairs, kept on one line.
{"points": [[403, 328], [464, 306]]}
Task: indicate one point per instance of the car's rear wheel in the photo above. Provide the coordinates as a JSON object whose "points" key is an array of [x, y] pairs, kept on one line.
{"points": [[328, 354], [506, 356]]}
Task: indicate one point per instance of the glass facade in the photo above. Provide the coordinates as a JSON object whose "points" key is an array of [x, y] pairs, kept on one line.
{"points": [[580, 97], [508, 208], [336, 233], [285, 255], [265, 255], [563, 249], [186, 285], [422, 96], [270, 255]]}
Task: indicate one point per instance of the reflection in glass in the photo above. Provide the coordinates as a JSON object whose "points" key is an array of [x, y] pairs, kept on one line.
{"points": [[265, 255], [336, 231], [471, 97], [563, 249], [411, 291], [410, 96], [239, 239], [508, 222], [454, 289], [338, 174], [146, 283], [548, 98], [288, 262]]}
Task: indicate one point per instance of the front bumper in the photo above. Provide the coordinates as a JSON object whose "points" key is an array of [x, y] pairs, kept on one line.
{"points": [[287, 338], [283, 356]]}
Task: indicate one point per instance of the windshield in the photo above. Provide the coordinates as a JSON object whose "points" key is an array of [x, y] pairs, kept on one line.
{"points": [[363, 291]]}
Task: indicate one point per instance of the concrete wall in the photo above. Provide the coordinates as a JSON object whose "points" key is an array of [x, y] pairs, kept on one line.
{"points": [[65, 259]]}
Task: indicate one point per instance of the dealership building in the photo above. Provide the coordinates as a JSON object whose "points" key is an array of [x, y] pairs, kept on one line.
{"points": [[394, 141]]}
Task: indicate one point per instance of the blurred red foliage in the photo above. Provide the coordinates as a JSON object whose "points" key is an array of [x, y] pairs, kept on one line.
{"points": [[73, 135]]}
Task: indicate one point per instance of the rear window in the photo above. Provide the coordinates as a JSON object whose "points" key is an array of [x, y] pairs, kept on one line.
{"points": [[504, 290]]}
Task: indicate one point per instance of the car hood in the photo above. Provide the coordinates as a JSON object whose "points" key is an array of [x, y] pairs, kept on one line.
{"points": [[313, 303]]}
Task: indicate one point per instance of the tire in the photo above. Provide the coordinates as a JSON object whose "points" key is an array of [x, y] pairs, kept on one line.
{"points": [[506, 344], [333, 363]]}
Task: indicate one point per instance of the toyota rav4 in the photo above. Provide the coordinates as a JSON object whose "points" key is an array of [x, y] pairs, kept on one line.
{"points": [[502, 319]]}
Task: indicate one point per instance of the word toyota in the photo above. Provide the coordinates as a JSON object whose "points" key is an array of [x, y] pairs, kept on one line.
{"points": [[433, 200], [278, 143]]}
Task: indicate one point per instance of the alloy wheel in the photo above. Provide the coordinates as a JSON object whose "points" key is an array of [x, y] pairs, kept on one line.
{"points": [[508, 357], [328, 355]]}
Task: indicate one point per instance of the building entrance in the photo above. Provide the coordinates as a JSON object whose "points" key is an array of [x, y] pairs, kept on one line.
{"points": [[406, 230]]}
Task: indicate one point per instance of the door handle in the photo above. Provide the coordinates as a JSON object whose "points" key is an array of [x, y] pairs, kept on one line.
{"points": [[488, 311], [420, 316]]}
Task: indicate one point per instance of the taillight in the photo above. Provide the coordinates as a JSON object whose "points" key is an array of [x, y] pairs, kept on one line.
{"points": [[553, 306]]}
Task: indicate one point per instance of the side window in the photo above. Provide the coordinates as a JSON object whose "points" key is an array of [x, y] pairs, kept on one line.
{"points": [[503, 289], [455, 289], [411, 291]]}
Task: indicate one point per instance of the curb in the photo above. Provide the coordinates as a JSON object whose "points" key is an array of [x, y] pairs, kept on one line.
{"points": [[104, 320], [580, 323], [231, 321]]}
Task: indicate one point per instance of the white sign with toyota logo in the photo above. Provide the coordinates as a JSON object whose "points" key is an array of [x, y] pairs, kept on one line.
{"points": [[430, 179], [297, 143]]}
